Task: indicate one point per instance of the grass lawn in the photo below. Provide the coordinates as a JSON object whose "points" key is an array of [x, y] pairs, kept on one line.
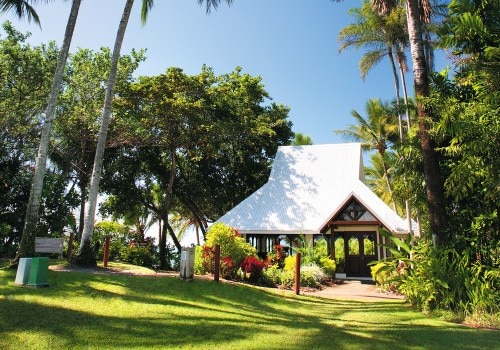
{"points": [[100, 311]]}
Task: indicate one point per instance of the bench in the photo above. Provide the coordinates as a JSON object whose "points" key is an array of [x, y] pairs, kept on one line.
{"points": [[49, 245]]}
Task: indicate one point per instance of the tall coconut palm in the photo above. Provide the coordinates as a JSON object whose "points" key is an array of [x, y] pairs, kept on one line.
{"points": [[27, 245], [376, 132], [85, 254], [382, 36], [416, 10]]}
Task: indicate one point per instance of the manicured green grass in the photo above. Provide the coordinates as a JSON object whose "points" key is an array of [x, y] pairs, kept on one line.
{"points": [[96, 311]]}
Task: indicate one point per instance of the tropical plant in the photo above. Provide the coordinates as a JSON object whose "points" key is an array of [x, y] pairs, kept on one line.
{"points": [[416, 11], [301, 140], [375, 132], [251, 269]]}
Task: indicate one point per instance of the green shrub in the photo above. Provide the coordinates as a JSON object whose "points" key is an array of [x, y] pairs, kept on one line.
{"points": [[287, 279], [272, 275], [141, 256], [328, 266]]}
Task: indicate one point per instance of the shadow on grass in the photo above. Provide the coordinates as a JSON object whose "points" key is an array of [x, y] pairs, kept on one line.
{"points": [[169, 313]]}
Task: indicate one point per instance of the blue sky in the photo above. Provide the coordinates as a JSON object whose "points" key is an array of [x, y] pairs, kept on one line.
{"points": [[291, 44]]}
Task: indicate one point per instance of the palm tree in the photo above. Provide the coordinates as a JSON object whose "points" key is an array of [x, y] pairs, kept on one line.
{"points": [[85, 254], [21, 8], [376, 132], [375, 176], [301, 140], [27, 244], [415, 11], [434, 187], [383, 36]]}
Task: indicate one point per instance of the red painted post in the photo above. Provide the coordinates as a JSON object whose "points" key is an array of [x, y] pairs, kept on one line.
{"points": [[217, 263], [106, 252], [297, 273]]}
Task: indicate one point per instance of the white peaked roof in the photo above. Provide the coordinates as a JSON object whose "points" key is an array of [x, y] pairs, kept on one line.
{"points": [[307, 186]]}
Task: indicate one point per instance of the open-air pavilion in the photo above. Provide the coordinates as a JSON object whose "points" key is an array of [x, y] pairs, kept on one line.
{"points": [[317, 192]]}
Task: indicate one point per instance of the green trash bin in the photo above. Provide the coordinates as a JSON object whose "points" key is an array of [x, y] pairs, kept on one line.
{"points": [[23, 271], [39, 272]]}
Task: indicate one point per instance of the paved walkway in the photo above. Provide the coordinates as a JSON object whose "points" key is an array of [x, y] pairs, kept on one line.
{"points": [[354, 290]]}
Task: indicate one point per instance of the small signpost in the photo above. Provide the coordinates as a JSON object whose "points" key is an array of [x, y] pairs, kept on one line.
{"points": [[297, 274]]}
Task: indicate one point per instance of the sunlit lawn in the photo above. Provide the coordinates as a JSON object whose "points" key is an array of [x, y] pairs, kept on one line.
{"points": [[95, 311]]}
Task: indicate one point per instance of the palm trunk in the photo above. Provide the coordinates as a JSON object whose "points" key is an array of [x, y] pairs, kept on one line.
{"points": [[396, 87], [27, 245], [405, 94], [86, 256], [168, 198], [434, 190], [407, 110], [389, 186]]}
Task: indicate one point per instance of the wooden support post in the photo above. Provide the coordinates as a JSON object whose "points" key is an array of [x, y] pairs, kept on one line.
{"points": [[217, 263], [297, 273], [106, 252]]}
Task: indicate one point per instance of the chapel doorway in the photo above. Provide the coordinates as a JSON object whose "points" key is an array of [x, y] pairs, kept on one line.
{"points": [[360, 250]]}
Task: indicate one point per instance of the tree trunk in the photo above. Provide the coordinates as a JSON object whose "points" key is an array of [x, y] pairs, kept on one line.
{"points": [[396, 87], [407, 111], [434, 189], [405, 94], [27, 245], [85, 254], [388, 181], [174, 237], [163, 245]]}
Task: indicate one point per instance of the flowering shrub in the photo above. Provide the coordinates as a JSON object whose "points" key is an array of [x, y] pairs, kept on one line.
{"points": [[251, 269], [277, 256], [227, 267]]}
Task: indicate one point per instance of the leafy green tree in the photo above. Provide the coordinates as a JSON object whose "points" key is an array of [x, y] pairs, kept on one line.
{"points": [[178, 132], [25, 76], [238, 147], [167, 109], [85, 254]]}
